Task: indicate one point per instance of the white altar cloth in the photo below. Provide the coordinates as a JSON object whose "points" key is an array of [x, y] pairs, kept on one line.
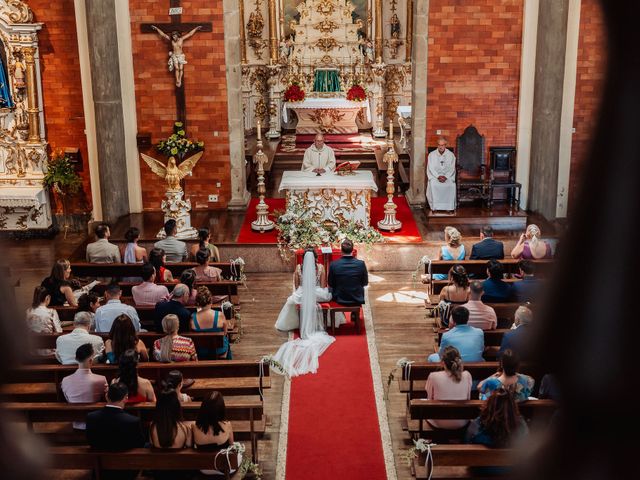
{"points": [[317, 103], [332, 197]]}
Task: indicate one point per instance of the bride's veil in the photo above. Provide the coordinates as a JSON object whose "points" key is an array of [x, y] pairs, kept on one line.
{"points": [[309, 314]]}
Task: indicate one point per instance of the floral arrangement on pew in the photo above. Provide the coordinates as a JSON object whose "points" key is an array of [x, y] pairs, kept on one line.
{"points": [[402, 363], [421, 448], [294, 93], [178, 145], [356, 93], [299, 228]]}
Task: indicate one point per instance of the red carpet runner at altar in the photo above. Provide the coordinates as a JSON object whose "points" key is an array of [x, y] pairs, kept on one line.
{"points": [[333, 427], [408, 234]]}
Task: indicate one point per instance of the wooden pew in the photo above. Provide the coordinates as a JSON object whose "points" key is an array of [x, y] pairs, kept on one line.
{"points": [[118, 270], [224, 287], [422, 409], [438, 285], [41, 383], [492, 338], [246, 416], [84, 458], [479, 267]]}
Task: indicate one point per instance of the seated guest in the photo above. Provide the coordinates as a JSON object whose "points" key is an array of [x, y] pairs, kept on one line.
{"points": [[508, 378], [123, 337], [41, 318], [347, 277], [526, 289], [175, 249], [157, 258], [496, 290], [173, 347], [453, 250], [148, 293], [139, 389], [67, 345], [112, 429], [107, 313], [89, 303], [168, 429], [204, 272], [59, 285], [175, 305], [453, 383], [549, 388], [101, 251], [480, 315], [517, 338], [499, 423], [133, 253], [487, 248], [84, 386], [468, 340], [212, 430], [206, 319], [530, 246], [188, 278], [457, 291], [176, 381], [204, 236]]}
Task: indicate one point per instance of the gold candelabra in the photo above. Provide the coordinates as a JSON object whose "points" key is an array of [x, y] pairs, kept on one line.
{"points": [[262, 222], [390, 223]]}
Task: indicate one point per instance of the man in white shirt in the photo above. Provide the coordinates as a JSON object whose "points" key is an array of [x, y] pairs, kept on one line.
{"points": [[101, 251], [106, 314], [319, 158], [66, 345], [480, 315], [441, 176]]}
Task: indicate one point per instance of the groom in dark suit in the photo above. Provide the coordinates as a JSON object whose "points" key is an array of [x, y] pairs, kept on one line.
{"points": [[487, 248], [347, 277]]}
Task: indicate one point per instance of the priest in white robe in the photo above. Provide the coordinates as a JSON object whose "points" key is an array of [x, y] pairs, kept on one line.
{"points": [[319, 158], [441, 176]]}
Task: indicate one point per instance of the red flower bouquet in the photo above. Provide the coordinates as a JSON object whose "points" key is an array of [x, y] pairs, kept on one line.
{"points": [[294, 93], [356, 94]]}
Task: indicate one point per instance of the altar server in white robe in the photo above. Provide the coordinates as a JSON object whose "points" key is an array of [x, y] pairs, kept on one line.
{"points": [[319, 158], [441, 176]]}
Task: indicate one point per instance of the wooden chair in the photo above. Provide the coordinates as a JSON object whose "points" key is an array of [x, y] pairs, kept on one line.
{"points": [[471, 180], [503, 174], [355, 312]]}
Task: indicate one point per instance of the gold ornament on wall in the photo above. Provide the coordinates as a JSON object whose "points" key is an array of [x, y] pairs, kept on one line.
{"points": [[394, 78], [326, 26], [255, 27], [260, 110], [392, 106], [326, 44]]}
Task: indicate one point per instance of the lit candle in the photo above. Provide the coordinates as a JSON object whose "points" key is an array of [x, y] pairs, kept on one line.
{"points": [[390, 129], [259, 133]]}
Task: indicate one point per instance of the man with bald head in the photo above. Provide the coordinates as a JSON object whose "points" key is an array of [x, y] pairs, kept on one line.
{"points": [[441, 177], [319, 158]]}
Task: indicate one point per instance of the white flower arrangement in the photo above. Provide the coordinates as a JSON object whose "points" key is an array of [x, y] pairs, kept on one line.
{"points": [[401, 363], [419, 446], [274, 365], [425, 260]]}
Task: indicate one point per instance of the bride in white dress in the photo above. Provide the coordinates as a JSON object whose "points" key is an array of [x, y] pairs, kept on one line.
{"points": [[300, 356]]}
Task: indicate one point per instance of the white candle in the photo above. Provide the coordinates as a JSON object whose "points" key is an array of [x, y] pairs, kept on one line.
{"points": [[259, 133], [390, 129]]}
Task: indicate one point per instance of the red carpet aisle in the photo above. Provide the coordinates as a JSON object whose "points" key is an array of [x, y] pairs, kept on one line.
{"points": [[333, 429], [408, 234]]}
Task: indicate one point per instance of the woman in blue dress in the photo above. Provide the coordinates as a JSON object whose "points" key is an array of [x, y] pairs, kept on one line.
{"points": [[452, 251], [206, 319]]}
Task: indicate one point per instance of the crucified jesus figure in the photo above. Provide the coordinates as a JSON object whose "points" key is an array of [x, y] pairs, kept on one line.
{"points": [[177, 58]]}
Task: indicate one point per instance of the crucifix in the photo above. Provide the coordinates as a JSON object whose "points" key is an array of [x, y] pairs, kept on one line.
{"points": [[176, 33]]}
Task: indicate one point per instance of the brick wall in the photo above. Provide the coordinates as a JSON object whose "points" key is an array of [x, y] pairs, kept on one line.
{"points": [[61, 84], [474, 69], [206, 97], [589, 84]]}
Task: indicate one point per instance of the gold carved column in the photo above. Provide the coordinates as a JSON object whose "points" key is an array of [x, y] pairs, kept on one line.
{"points": [[378, 24], [243, 40], [32, 95], [273, 32], [409, 30]]}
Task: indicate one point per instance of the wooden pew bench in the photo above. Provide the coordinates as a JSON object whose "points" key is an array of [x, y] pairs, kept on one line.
{"points": [[224, 287], [479, 267], [438, 285], [119, 270], [504, 311], [41, 383], [246, 416]]}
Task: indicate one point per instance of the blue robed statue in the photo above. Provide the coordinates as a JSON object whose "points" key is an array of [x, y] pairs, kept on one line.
{"points": [[5, 94]]}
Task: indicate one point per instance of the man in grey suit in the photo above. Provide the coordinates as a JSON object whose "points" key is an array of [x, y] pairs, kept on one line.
{"points": [[101, 251], [175, 249]]}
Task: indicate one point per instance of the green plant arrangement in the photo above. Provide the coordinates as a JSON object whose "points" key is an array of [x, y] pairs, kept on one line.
{"points": [[62, 180], [299, 228], [402, 363], [178, 145]]}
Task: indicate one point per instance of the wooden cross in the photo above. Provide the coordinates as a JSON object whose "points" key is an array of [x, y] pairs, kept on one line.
{"points": [[184, 30]]}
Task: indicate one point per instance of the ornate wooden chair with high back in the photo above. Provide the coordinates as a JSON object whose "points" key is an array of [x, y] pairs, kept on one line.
{"points": [[503, 175], [471, 179]]}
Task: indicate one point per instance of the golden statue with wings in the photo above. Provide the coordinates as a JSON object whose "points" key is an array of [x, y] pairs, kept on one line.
{"points": [[171, 172]]}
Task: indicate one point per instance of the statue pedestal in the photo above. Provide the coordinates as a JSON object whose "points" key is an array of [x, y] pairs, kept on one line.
{"points": [[174, 207]]}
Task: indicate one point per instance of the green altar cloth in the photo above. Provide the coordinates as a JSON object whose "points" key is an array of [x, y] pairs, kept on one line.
{"points": [[326, 81]]}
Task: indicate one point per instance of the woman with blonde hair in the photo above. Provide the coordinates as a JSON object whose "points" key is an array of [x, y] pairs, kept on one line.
{"points": [[452, 251], [530, 246], [173, 347]]}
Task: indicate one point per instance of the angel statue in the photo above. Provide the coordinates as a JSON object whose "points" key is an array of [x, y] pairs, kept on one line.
{"points": [[171, 172]]}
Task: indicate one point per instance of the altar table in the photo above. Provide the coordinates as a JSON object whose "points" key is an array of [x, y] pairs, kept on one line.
{"points": [[326, 115], [331, 197]]}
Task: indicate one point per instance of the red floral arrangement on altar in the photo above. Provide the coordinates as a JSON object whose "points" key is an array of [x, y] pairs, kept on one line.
{"points": [[294, 93], [356, 93]]}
